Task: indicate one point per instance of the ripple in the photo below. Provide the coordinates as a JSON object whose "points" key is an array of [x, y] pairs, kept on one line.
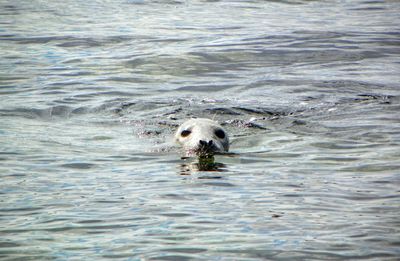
{"points": [[17, 210], [9, 244], [78, 165], [171, 257], [175, 214]]}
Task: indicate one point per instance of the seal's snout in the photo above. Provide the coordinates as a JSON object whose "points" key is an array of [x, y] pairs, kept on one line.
{"points": [[206, 148], [204, 143]]}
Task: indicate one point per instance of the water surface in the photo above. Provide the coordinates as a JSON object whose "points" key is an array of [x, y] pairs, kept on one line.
{"points": [[92, 91]]}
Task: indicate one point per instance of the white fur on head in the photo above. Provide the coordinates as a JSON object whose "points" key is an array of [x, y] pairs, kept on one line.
{"points": [[198, 136]]}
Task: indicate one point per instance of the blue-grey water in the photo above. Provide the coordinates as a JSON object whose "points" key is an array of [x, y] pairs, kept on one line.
{"points": [[92, 91]]}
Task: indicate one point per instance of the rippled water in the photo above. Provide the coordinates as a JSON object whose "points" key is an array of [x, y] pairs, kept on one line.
{"points": [[92, 91]]}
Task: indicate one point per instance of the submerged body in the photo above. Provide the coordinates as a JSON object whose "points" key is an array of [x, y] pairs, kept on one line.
{"points": [[202, 137]]}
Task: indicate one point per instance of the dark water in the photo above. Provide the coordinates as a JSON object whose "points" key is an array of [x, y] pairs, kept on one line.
{"points": [[91, 92]]}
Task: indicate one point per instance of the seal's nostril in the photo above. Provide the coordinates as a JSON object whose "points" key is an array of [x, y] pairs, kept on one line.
{"points": [[206, 143]]}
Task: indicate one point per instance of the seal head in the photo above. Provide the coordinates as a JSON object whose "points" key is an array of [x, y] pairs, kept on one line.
{"points": [[202, 137]]}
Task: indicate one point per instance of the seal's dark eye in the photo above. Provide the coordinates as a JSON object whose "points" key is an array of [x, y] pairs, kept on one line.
{"points": [[185, 133], [220, 133]]}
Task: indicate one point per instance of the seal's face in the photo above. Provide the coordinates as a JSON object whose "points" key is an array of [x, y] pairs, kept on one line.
{"points": [[202, 137]]}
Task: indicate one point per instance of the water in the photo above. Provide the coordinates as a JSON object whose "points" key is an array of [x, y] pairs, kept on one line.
{"points": [[92, 91]]}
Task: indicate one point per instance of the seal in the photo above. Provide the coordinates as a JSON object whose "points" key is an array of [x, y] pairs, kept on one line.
{"points": [[202, 137]]}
